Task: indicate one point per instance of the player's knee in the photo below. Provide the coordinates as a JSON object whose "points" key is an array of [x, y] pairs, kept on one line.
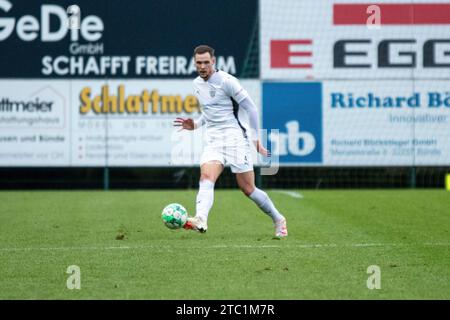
{"points": [[207, 176], [247, 189]]}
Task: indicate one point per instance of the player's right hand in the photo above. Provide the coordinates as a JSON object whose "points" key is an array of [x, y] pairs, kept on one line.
{"points": [[187, 123]]}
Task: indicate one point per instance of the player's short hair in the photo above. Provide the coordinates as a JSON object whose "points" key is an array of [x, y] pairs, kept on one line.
{"points": [[203, 49]]}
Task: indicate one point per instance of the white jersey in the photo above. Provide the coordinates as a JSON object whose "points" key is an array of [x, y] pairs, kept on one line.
{"points": [[219, 98]]}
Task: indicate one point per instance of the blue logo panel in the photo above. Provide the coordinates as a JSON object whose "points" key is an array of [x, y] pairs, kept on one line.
{"points": [[295, 109]]}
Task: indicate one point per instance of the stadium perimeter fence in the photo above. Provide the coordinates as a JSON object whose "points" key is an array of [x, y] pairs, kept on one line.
{"points": [[263, 28]]}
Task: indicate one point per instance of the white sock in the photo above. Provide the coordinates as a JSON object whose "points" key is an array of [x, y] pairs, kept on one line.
{"points": [[205, 199], [265, 204]]}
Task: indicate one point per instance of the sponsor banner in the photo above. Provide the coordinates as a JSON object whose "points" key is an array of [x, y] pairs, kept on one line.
{"points": [[386, 123], [98, 123], [293, 118], [355, 39], [34, 123], [123, 123], [118, 39], [364, 123]]}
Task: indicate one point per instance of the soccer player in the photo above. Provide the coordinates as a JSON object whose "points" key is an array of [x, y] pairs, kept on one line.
{"points": [[220, 96]]}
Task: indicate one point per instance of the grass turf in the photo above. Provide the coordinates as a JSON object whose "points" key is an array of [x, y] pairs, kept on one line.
{"points": [[124, 252]]}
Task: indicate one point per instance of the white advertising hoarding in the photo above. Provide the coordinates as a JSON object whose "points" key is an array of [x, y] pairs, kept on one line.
{"points": [[386, 123], [97, 123], [348, 39], [127, 123], [34, 123]]}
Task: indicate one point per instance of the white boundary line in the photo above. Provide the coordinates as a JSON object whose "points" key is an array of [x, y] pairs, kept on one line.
{"points": [[293, 194], [299, 246]]}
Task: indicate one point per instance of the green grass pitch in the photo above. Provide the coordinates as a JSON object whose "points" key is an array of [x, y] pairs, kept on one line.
{"points": [[124, 251]]}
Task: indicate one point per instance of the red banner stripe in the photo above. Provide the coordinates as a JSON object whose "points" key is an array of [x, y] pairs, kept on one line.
{"points": [[392, 14]]}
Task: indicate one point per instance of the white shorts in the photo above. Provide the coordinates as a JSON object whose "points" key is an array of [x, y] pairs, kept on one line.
{"points": [[239, 156]]}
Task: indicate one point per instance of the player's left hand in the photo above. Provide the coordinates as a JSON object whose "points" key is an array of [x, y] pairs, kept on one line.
{"points": [[260, 148]]}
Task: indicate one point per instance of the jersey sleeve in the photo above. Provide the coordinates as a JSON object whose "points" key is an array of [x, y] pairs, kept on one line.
{"points": [[234, 89], [248, 105], [200, 121]]}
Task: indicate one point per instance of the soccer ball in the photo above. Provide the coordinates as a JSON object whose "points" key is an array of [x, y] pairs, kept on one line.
{"points": [[174, 216]]}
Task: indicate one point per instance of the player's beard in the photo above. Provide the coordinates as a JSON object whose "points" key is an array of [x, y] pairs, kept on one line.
{"points": [[206, 74]]}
